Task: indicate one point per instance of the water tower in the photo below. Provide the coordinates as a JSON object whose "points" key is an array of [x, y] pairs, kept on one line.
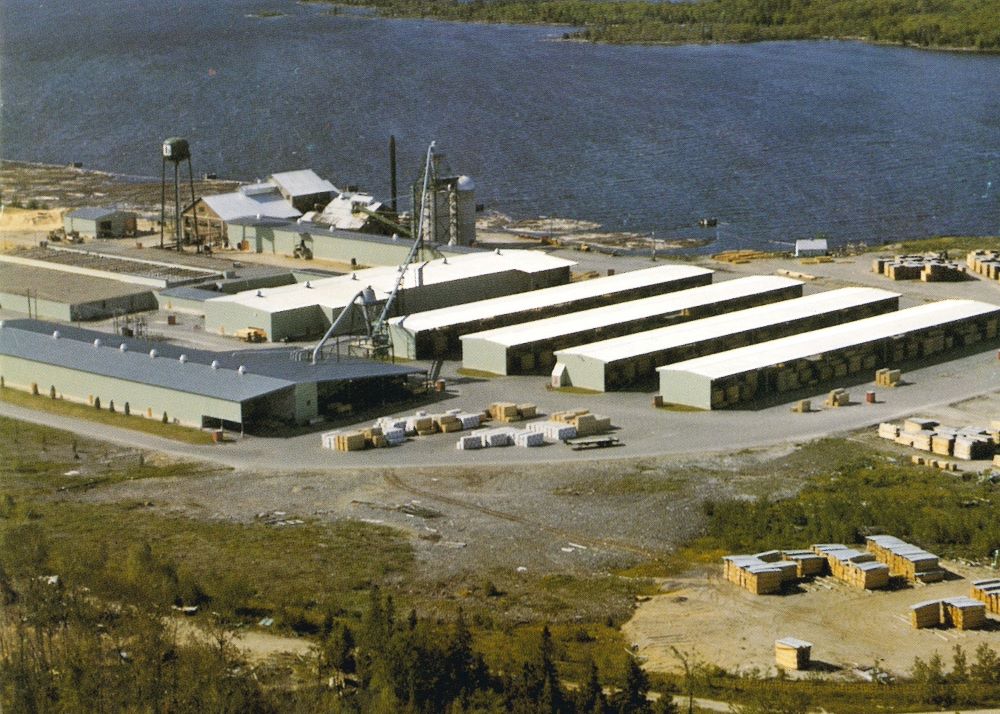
{"points": [[175, 150]]}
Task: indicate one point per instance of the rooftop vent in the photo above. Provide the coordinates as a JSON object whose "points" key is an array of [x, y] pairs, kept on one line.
{"points": [[182, 359], [97, 342], [241, 369], [55, 335], [123, 347], [215, 364], [152, 354]]}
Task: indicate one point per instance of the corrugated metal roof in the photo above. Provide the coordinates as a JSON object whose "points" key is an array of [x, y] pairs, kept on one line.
{"points": [[807, 344], [93, 213], [730, 323], [573, 322], [336, 292], [303, 182], [266, 369], [546, 297], [230, 206]]}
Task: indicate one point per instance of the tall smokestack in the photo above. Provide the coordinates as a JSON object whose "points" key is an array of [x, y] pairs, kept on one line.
{"points": [[392, 171]]}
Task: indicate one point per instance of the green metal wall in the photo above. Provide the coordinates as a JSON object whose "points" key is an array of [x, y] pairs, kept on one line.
{"points": [[186, 408]]}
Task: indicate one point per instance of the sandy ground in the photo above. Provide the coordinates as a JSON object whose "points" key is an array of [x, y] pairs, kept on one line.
{"points": [[711, 620], [255, 645]]}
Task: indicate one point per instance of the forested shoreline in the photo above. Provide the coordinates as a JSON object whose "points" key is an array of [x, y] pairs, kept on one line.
{"points": [[940, 24]]}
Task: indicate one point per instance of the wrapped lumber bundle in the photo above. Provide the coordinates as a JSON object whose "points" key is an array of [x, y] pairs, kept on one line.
{"points": [[988, 592], [553, 430], [792, 653], [447, 423], [763, 579], [868, 576], [504, 412], [886, 377], [498, 437], [472, 441], [925, 614], [526, 439], [962, 612], [807, 563]]}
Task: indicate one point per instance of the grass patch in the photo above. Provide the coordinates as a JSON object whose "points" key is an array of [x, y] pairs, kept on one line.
{"points": [[38, 402], [951, 243], [859, 492], [625, 485]]}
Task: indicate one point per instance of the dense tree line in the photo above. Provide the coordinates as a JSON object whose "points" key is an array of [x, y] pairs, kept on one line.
{"points": [[973, 24], [64, 650]]}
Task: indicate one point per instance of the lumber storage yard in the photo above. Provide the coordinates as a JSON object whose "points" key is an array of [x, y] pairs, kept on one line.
{"points": [[494, 476]]}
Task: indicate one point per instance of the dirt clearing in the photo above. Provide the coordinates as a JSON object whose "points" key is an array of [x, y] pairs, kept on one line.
{"points": [[713, 621]]}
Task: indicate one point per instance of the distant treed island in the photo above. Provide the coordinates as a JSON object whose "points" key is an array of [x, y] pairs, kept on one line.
{"points": [[941, 24]]}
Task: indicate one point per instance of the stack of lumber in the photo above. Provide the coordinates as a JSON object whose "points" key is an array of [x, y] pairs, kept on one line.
{"points": [[988, 592], [586, 424], [837, 398], [854, 567], [553, 430], [985, 263], [965, 443], [528, 439], [929, 268], [345, 441], [963, 613], [803, 406], [925, 614], [960, 612], [886, 377], [807, 563], [741, 256], [906, 560], [507, 412], [934, 463], [792, 653], [420, 424], [470, 442], [752, 574], [447, 423]]}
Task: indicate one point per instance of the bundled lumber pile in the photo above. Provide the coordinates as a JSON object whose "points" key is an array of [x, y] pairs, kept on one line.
{"points": [[988, 593], [741, 256], [854, 567], [753, 574], [507, 412], [934, 463], [963, 613], [837, 398], [967, 443], [495, 438], [930, 268], [803, 406], [792, 653], [586, 424], [985, 263], [886, 377], [807, 563], [345, 441], [903, 559], [553, 430], [960, 612], [925, 614]]}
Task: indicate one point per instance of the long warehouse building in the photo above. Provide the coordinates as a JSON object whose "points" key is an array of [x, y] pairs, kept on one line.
{"points": [[528, 348], [242, 389], [436, 333], [727, 379], [304, 310], [622, 361]]}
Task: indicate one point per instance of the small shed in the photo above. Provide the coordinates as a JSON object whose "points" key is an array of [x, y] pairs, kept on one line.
{"points": [[810, 247], [100, 222], [792, 653]]}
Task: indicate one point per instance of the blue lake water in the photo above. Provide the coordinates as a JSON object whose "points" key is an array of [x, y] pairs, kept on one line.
{"points": [[778, 140]]}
